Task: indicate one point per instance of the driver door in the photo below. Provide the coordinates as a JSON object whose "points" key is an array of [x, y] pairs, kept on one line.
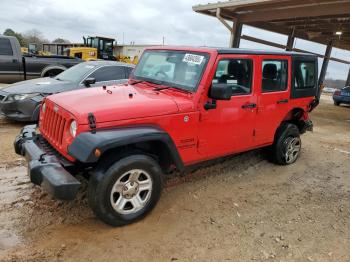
{"points": [[229, 128]]}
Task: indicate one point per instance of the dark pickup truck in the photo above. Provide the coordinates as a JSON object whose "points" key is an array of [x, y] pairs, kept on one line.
{"points": [[14, 66]]}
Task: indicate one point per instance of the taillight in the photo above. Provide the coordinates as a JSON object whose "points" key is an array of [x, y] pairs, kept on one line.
{"points": [[337, 92]]}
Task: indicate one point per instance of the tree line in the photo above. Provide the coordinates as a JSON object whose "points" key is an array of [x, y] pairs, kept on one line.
{"points": [[33, 37]]}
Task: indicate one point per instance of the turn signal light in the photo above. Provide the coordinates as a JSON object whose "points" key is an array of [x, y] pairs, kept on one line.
{"points": [[97, 153]]}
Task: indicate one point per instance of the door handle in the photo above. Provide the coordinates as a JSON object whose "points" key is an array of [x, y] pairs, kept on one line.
{"points": [[249, 106], [282, 101], [14, 60]]}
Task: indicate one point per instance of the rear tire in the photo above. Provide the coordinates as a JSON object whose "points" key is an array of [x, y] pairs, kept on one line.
{"points": [[127, 191], [336, 103], [287, 146]]}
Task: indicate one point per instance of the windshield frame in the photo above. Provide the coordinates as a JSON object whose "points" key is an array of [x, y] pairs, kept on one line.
{"points": [[170, 84]]}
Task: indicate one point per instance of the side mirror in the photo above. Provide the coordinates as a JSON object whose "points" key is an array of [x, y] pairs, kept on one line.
{"points": [[89, 81], [220, 91]]}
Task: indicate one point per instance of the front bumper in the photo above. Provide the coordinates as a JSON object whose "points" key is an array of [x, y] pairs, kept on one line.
{"points": [[23, 110], [44, 168]]}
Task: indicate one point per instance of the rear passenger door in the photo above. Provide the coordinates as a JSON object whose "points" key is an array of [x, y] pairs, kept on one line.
{"points": [[274, 96]]}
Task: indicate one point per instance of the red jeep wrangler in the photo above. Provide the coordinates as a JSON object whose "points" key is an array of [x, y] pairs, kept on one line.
{"points": [[181, 106]]}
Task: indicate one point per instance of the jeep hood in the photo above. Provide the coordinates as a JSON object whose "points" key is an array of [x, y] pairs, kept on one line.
{"points": [[118, 102]]}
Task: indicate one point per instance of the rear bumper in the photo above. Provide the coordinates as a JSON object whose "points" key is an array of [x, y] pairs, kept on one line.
{"points": [[342, 99], [44, 168]]}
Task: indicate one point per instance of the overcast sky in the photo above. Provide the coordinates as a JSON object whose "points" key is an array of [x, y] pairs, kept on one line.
{"points": [[140, 21]]}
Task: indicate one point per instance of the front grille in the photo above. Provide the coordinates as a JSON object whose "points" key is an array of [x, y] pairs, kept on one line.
{"points": [[53, 126]]}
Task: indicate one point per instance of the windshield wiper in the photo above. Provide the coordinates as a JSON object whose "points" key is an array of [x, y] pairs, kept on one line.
{"points": [[136, 82], [145, 82], [160, 86], [173, 87]]}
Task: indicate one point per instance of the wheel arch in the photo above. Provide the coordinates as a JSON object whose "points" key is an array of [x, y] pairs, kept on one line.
{"points": [[51, 68], [297, 116], [116, 143]]}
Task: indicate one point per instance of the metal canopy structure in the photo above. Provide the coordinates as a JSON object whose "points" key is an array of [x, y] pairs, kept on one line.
{"points": [[322, 21]]}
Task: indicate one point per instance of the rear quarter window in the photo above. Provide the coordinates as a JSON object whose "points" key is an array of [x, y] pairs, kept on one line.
{"points": [[128, 71], [305, 77], [108, 73], [5, 47]]}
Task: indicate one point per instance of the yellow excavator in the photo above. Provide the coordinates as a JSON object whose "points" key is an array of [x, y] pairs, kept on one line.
{"points": [[85, 53], [95, 47], [127, 59]]}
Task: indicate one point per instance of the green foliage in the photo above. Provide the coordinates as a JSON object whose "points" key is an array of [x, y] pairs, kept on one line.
{"points": [[33, 37], [60, 40], [22, 41]]}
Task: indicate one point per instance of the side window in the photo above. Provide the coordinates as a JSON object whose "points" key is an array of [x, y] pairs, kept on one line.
{"points": [[5, 47], [275, 75], [108, 73], [128, 71], [236, 73], [304, 75]]}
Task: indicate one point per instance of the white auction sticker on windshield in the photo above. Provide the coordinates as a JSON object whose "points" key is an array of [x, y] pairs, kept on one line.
{"points": [[193, 59]]}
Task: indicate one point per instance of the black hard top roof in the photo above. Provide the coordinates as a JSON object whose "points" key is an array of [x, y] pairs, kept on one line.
{"points": [[222, 50], [107, 63], [259, 52]]}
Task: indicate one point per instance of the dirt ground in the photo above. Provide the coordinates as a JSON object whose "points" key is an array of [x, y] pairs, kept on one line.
{"points": [[241, 209]]}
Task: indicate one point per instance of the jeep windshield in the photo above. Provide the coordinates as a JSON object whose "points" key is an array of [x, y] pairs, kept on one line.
{"points": [[178, 69]]}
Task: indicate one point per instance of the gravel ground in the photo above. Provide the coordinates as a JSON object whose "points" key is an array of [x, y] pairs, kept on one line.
{"points": [[241, 209]]}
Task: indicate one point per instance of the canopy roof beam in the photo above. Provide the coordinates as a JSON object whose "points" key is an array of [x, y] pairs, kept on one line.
{"points": [[348, 80], [235, 29]]}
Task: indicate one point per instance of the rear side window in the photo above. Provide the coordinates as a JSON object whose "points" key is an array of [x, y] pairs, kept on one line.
{"points": [[275, 75], [128, 71], [5, 47], [304, 75], [108, 73], [236, 73]]}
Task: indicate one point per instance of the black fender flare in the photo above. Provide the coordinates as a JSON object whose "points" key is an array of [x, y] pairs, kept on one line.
{"points": [[36, 112], [84, 145]]}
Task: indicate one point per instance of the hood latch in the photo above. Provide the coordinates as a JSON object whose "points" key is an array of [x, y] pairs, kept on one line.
{"points": [[92, 122]]}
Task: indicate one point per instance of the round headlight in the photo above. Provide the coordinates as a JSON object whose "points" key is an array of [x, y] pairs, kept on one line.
{"points": [[43, 107], [73, 128]]}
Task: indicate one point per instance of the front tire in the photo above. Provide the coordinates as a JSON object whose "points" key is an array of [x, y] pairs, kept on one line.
{"points": [[287, 146], [127, 191]]}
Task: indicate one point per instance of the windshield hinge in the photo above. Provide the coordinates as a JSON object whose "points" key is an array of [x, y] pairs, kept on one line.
{"points": [[92, 122]]}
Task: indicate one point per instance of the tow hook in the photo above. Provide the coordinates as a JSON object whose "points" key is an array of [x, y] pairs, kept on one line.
{"points": [[42, 159], [313, 104], [309, 126]]}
